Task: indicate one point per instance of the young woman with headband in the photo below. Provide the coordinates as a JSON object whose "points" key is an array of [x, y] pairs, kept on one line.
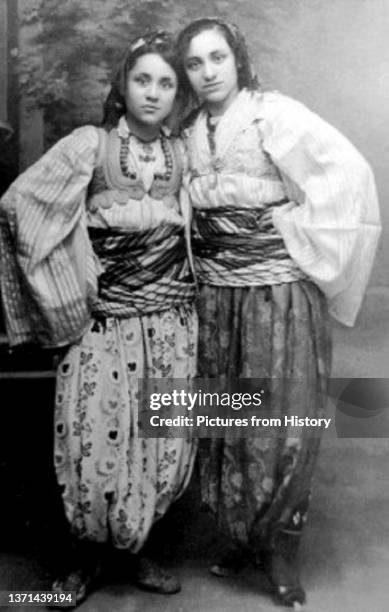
{"points": [[95, 259]]}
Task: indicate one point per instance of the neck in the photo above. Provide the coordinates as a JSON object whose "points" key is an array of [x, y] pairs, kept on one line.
{"points": [[142, 131], [215, 111]]}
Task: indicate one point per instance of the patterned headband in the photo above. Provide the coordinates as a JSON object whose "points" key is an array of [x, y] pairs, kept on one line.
{"points": [[156, 36], [114, 105]]}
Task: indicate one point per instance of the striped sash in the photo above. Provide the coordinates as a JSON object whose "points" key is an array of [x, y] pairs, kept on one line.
{"points": [[144, 272], [240, 247]]}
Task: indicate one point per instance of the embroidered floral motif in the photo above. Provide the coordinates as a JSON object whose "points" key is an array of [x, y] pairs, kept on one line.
{"points": [[116, 483], [258, 474]]}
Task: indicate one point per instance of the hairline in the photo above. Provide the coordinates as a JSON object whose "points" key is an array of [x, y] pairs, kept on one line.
{"points": [[218, 27]]}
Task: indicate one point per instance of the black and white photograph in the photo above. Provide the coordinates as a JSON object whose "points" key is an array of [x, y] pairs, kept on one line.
{"points": [[194, 305]]}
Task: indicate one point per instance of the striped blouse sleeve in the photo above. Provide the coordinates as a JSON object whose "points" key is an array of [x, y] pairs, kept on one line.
{"points": [[331, 226], [48, 270]]}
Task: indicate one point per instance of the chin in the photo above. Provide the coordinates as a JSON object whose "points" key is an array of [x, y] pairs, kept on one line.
{"points": [[216, 98], [151, 121]]}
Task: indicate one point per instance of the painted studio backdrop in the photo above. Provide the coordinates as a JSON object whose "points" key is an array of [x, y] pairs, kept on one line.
{"points": [[57, 58]]}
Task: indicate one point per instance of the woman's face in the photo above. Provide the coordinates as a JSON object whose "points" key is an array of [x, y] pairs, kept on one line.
{"points": [[211, 69], [151, 90]]}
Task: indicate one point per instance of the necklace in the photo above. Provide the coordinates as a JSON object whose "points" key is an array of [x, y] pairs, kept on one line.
{"points": [[216, 163], [147, 157]]}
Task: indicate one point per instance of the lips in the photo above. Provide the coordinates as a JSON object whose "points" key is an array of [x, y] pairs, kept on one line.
{"points": [[148, 108], [212, 86]]}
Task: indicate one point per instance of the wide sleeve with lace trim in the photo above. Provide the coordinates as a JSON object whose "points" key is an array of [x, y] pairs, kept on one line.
{"points": [[48, 269], [331, 225]]}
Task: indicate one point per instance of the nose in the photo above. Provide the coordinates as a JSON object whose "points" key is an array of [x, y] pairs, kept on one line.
{"points": [[209, 71], [152, 91]]}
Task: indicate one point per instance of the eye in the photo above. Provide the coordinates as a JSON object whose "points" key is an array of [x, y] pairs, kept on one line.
{"points": [[218, 58], [193, 64], [141, 79], [167, 84]]}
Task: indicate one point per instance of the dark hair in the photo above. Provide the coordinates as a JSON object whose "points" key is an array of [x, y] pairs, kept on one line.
{"points": [[159, 42], [234, 38]]}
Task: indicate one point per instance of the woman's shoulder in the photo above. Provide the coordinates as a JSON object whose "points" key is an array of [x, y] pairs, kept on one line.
{"points": [[280, 114], [82, 143], [73, 151], [85, 133], [79, 140], [273, 102]]}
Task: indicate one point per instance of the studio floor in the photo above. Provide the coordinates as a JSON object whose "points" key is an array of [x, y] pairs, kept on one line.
{"points": [[345, 551]]}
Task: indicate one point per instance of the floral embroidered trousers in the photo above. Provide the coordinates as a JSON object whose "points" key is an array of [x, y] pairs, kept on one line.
{"points": [[115, 484]]}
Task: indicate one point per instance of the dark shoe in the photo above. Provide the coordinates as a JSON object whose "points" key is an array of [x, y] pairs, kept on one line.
{"points": [[152, 577], [284, 577], [231, 563], [81, 579]]}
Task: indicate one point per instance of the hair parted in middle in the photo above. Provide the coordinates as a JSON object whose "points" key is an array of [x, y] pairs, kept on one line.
{"points": [[235, 39], [159, 42]]}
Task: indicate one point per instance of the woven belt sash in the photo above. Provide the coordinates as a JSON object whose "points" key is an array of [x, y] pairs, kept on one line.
{"points": [[144, 272], [240, 247]]}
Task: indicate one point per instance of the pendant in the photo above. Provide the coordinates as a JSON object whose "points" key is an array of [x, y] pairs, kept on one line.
{"points": [[147, 158], [213, 181], [147, 148], [148, 153], [217, 164]]}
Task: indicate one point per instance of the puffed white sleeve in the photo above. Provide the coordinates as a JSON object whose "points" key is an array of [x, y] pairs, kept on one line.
{"points": [[48, 269], [331, 226]]}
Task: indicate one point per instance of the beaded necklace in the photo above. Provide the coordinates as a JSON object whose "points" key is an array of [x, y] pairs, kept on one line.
{"points": [[130, 172]]}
